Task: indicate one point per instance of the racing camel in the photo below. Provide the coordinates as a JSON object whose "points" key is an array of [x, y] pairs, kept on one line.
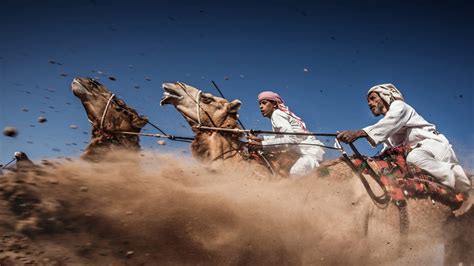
{"points": [[411, 218], [214, 146], [108, 116]]}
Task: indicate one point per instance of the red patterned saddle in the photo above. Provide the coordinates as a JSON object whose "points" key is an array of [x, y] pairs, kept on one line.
{"points": [[404, 181]]}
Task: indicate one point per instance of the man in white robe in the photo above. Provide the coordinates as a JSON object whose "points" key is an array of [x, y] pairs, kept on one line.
{"points": [[283, 120], [402, 125]]}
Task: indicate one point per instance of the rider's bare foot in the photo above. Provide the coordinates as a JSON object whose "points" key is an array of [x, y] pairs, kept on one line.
{"points": [[466, 204]]}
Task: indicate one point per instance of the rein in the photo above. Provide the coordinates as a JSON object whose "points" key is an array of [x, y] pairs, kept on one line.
{"points": [[379, 201], [104, 114], [252, 131], [170, 137], [5, 166]]}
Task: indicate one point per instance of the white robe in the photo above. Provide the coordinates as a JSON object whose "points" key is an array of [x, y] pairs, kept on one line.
{"points": [[402, 125], [310, 155]]}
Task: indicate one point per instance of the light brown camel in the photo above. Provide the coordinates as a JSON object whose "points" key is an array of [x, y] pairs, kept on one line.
{"points": [[211, 111], [427, 220], [211, 146], [108, 115]]}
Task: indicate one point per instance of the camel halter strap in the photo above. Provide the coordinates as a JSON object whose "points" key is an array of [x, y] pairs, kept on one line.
{"points": [[198, 107], [197, 100], [105, 111]]}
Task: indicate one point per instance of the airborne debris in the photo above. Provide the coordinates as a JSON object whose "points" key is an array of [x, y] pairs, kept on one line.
{"points": [[112, 78], [10, 132], [64, 74], [73, 126], [148, 79], [24, 109], [42, 119], [161, 142], [305, 69]]}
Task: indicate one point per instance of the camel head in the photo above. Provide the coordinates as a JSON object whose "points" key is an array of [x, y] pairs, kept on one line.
{"points": [[202, 108], [108, 115], [95, 96]]}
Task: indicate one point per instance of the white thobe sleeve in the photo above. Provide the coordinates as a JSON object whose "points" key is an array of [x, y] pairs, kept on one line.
{"points": [[267, 137], [280, 123], [397, 116]]}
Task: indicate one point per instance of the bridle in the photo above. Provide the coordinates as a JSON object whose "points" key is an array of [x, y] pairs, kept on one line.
{"points": [[105, 112], [107, 134], [197, 100], [240, 144]]}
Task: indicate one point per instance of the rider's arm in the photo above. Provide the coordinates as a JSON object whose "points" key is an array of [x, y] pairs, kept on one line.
{"points": [[280, 123], [396, 117]]}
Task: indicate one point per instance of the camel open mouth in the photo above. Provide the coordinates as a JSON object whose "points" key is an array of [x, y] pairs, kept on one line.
{"points": [[170, 95], [78, 88]]}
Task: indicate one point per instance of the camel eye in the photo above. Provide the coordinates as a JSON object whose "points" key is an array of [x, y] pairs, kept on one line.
{"points": [[207, 97]]}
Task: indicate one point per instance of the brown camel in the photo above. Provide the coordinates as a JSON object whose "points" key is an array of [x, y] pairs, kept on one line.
{"points": [[108, 116], [211, 146], [426, 219], [211, 111]]}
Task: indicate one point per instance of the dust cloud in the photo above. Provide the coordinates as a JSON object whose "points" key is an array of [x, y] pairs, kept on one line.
{"points": [[162, 209]]}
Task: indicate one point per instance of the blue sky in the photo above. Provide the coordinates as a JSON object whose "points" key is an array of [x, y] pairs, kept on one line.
{"points": [[423, 47]]}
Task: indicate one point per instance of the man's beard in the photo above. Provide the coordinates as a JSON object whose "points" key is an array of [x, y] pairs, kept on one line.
{"points": [[378, 110]]}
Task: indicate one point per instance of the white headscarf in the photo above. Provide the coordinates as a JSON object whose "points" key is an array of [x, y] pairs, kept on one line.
{"points": [[387, 92]]}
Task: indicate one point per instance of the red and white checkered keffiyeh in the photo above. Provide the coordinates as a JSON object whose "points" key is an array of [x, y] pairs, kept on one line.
{"points": [[272, 96]]}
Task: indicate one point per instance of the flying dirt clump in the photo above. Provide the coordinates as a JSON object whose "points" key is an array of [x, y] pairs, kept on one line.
{"points": [[10, 132]]}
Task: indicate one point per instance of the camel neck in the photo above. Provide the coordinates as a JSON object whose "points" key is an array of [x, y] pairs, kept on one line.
{"points": [[210, 146]]}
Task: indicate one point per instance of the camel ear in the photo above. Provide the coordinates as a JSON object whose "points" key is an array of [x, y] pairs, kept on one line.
{"points": [[234, 106]]}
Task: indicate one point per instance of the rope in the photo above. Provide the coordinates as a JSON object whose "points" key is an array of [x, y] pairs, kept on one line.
{"points": [[5, 166], [130, 113], [198, 106], [222, 95], [298, 144], [105, 111], [150, 123], [382, 201], [132, 133], [170, 137], [253, 131], [269, 166]]}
